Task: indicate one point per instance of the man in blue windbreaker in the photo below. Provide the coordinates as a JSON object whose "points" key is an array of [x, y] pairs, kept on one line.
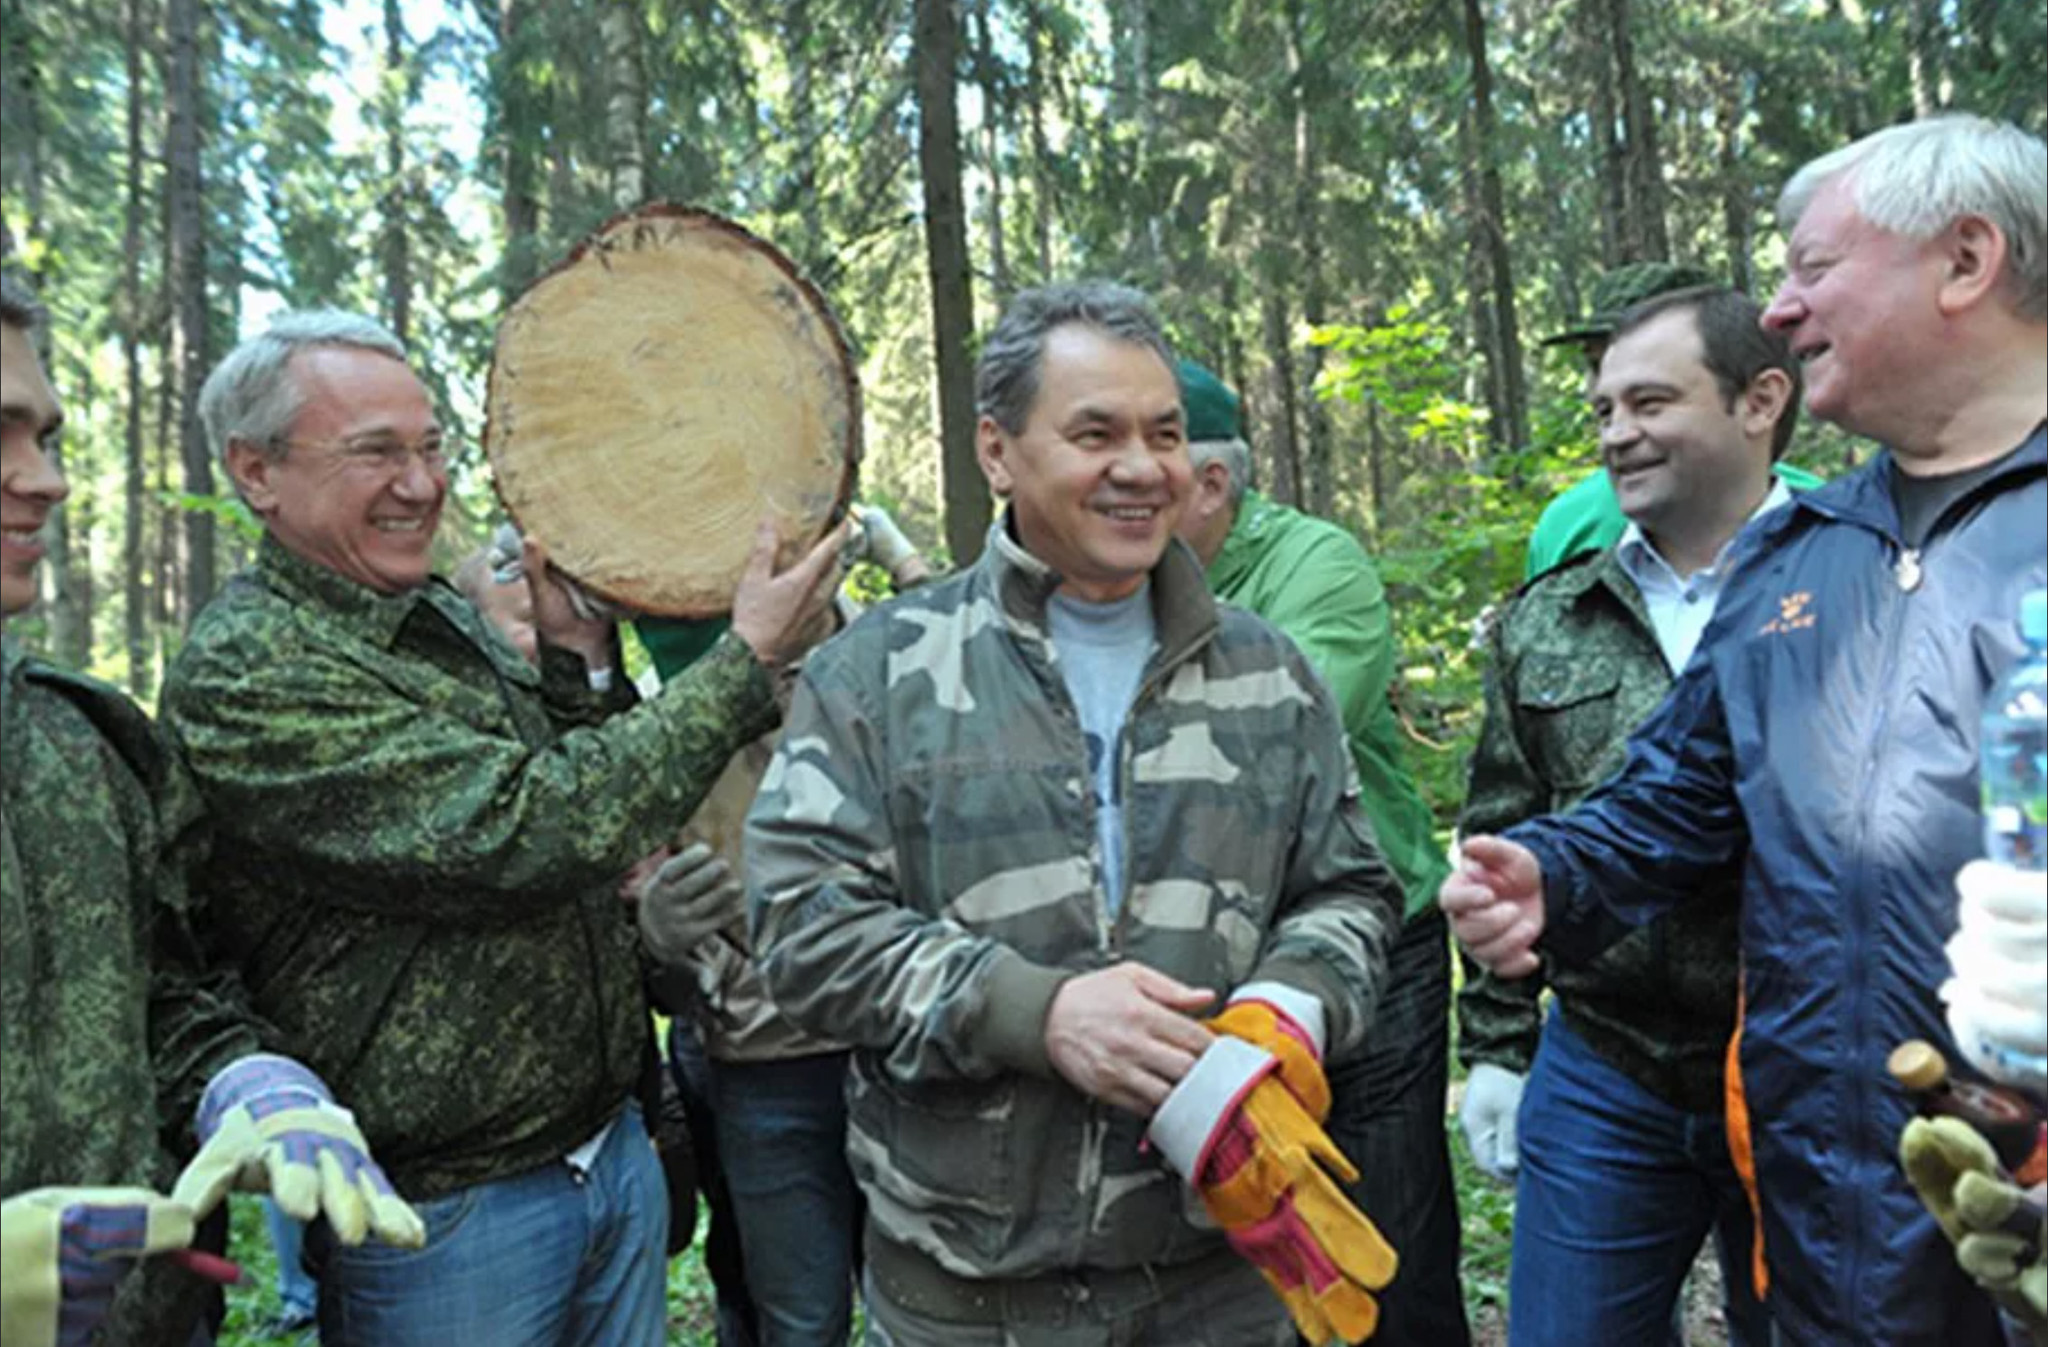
{"points": [[1822, 744]]}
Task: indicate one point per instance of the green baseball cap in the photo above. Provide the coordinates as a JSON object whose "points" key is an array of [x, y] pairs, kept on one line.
{"points": [[1212, 409], [1618, 290]]}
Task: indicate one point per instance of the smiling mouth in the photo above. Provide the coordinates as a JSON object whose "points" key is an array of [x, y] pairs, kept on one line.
{"points": [[1808, 355], [1635, 467], [1131, 514], [402, 525], [23, 537]]}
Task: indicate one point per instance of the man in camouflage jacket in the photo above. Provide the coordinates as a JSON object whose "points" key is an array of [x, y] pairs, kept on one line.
{"points": [[420, 839], [1623, 1165], [932, 879], [113, 1027]]}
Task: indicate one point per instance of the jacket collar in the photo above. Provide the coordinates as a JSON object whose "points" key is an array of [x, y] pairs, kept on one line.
{"points": [[1257, 516], [1183, 610], [1864, 497], [1603, 571], [356, 608]]}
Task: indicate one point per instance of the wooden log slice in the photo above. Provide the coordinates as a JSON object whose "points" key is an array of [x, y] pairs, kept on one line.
{"points": [[656, 394]]}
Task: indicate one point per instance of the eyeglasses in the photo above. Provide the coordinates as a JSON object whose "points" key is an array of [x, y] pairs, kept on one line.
{"points": [[382, 453]]}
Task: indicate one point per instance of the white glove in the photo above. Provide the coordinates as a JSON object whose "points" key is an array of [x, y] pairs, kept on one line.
{"points": [[1492, 1097], [1998, 998], [691, 896]]}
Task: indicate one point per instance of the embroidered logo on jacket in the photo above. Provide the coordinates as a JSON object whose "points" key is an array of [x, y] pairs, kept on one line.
{"points": [[1793, 614]]}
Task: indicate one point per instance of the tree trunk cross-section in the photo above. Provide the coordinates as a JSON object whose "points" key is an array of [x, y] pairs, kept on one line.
{"points": [[656, 394]]}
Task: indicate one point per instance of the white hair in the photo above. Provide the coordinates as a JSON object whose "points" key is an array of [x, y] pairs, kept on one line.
{"points": [[251, 396], [1235, 456], [1917, 178]]}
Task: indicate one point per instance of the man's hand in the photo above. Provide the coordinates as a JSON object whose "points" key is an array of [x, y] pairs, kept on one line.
{"points": [[689, 897], [1494, 898], [556, 618], [1124, 1034], [781, 616], [1493, 1096], [270, 1125], [63, 1251]]}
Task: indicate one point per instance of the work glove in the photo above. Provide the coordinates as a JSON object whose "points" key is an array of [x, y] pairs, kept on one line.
{"points": [[267, 1124], [63, 1251], [1493, 1097], [690, 897], [875, 537], [1997, 1228], [1238, 1128], [507, 561], [1998, 998]]}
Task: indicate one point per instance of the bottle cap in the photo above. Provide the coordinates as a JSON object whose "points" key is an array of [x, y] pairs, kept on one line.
{"points": [[2034, 617]]}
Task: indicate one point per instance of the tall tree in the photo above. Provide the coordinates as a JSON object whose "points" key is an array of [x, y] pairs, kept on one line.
{"points": [[519, 132], [397, 97], [135, 614], [1503, 336], [186, 208], [625, 103], [945, 233]]}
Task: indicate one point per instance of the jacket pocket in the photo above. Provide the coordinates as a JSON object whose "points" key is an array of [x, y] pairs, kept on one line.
{"points": [[1566, 707], [938, 1152]]}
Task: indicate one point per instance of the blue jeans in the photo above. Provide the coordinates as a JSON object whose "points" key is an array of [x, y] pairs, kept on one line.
{"points": [[738, 1320], [782, 1142], [1615, 1194], [548, 1258], [297, 1293]]}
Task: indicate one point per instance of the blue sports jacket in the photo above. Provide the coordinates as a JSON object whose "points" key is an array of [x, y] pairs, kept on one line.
{"points": [[1824, 741]]}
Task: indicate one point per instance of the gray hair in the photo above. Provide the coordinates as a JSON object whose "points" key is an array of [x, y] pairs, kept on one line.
{"points": [[19, 307], [1006, 376], [1917, 178], [1235, 456], [252, 398]]}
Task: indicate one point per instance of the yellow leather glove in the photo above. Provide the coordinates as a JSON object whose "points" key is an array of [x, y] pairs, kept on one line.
{"points": [[64, 1250], [1262, 1166], [1262, 1025], [1997, 1228], [267, 1124]]}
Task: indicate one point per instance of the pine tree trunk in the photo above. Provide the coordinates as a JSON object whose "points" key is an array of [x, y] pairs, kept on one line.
{"points": [[1036, 75], [992, 105], [945, 234], [1317, 481], [1649, 240], [1505, 346], [397, 233], [135, 598], [187, 284], [519, 114], [1608, 160], [1284, 449], [625, 103]]}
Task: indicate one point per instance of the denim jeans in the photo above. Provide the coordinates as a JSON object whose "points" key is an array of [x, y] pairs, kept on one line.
{"points": [[782, 1143], [738, 1320], [548, 1258], [297, 1293], [1616, 1191], [1388, 1117]]}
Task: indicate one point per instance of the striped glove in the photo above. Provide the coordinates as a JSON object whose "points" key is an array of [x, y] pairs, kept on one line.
{"points": [[64, 1250]]}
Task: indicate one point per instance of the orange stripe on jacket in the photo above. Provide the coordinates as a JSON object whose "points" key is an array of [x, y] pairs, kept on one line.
{"points": [[1740, 1150]]}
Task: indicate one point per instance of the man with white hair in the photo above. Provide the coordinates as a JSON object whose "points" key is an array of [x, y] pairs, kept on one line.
{"points": [[420, 836], [1822, 745]]}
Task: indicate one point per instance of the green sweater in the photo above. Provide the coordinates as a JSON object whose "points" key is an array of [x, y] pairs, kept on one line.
{"points": [[1312, 580]]}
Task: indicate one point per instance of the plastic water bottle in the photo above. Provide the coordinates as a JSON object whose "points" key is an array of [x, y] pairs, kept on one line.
{"points": [[2014, 750]]}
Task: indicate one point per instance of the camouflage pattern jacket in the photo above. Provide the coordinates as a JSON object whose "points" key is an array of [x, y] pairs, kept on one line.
{"points": [[1575, 668], [109, 1026], [924, 874], [419, 839]]}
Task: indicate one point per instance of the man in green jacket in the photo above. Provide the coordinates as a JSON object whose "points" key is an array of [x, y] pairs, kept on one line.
{"points": [[1312, 580], [420, 841], [1585, 517], [1608, 1113], [119, 1046]]}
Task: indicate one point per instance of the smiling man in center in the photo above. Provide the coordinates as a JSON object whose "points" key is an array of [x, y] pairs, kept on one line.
{"points": [[1025, 826]]}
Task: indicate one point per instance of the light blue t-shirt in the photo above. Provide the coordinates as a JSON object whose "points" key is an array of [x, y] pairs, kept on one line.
{"points": [[1102, 650]]}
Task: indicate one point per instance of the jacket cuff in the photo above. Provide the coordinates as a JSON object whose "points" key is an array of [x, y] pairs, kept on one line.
{"points": [[1341, 1006], [1016, 996]]}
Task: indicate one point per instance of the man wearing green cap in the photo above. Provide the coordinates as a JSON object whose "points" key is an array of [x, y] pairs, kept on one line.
{"points": [[1585, 517], [1312, 580]]}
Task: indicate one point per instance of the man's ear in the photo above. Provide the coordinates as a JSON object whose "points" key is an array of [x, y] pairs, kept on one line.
{"points": [[249, 465], [990, 451], [1212, 487], [1765, 401], [1974, 256]]}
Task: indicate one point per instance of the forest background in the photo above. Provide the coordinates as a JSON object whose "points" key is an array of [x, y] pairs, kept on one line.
{"points": [[1364, 215]]}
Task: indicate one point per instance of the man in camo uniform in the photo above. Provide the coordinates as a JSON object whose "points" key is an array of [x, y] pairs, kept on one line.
{"points": [[420, 841], [1622, 1160], [1024, 823]]}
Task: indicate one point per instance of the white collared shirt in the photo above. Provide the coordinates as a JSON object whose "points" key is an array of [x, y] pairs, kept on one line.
{"points": [[1680, 607]]}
